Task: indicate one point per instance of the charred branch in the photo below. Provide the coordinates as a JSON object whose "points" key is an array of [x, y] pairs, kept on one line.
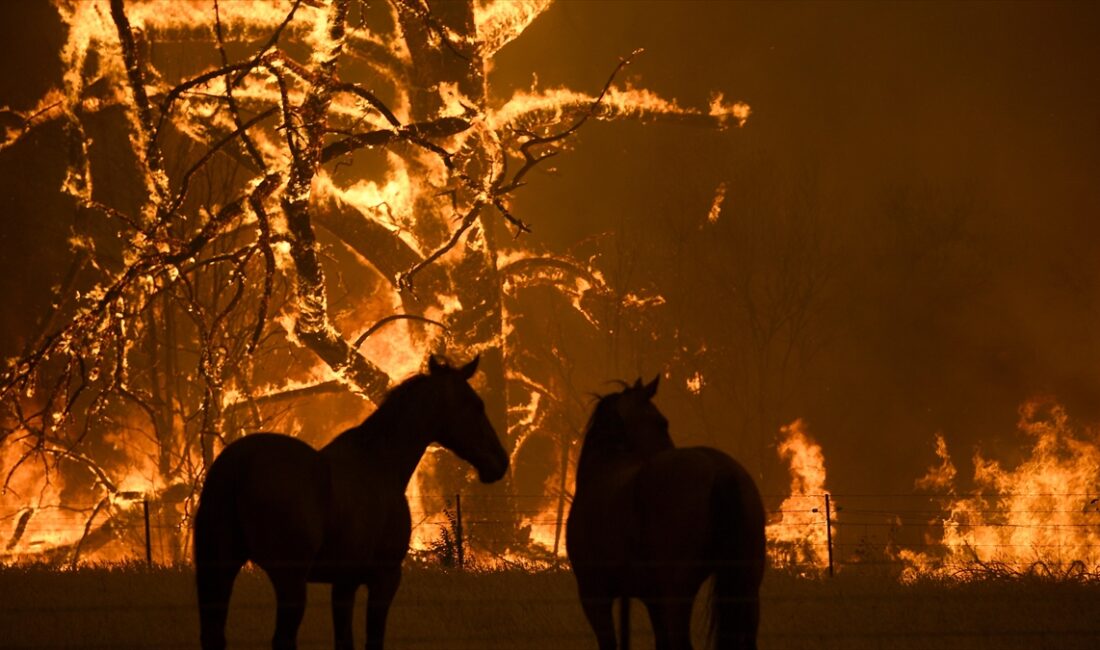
{"points": [[151, 155], [389, 319], [234, 109], [532, 158], [417, 134], [385, 251], [313, 327], [239, 132], [405, 280]]}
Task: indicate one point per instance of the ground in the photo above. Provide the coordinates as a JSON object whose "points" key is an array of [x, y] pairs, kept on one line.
{"points": [[141, 608]]}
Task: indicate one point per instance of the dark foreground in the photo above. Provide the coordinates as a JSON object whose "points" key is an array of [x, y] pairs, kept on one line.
{"points": [[140, 608]]}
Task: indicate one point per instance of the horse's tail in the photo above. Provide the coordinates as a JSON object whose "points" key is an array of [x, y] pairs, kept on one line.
{"points": [[738, 516], [218, 552]]}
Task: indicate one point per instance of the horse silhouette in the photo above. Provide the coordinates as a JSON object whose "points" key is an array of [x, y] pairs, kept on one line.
{"points": [[336, 515], [653, 521]]}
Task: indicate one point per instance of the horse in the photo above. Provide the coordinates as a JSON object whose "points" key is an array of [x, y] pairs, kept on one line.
{"points": [[653, 521], [336, 515]]}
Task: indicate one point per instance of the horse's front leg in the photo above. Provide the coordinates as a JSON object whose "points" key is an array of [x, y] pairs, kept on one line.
{"points": [[380, 592], [343, 604]]}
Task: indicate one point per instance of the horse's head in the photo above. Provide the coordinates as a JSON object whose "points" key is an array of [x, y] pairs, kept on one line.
{"points": [[464, 427], [629, 422]]}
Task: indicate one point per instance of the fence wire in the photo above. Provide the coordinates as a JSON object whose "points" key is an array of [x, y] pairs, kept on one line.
{"points": [[858, 523]]}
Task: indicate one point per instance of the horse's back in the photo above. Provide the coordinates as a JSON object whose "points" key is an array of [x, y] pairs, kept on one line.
{"points": [[730, 478], [694, 500], [265, 498]]}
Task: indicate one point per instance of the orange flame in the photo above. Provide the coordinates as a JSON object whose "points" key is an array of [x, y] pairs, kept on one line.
{"points": [[1042, 515], [395, 200], [797, 534]]}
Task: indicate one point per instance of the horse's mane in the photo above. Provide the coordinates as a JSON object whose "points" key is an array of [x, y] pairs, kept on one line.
{"points": [[394, 406], [600, 413], [402, 391], [604, 418], [608, 430], [398, 397]]}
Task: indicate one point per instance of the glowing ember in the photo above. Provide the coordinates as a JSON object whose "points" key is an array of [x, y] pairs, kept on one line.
{"points": [[716, 205], [695, 383]]}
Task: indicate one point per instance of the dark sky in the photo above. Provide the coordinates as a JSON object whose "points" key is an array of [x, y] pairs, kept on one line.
{"points": [[956, 152], [950, 153]]}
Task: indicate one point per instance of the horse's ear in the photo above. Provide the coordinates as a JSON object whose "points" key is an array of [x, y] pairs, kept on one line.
{"points": [[637, 383], [435, 364], [651, 387], [469, 369]]}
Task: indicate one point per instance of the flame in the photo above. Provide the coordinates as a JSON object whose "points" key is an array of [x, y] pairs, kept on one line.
{"points": [[943, 476], [1040, 515], [53, 510], [695, 383], [30, 506], [254, 17], [727, 113], [422, 505], [499, 22], [44, 512], [544, 530], [716, 205], [530, 109], [797, 534]]}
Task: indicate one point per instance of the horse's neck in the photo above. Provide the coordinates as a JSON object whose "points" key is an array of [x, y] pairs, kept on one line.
{"points": [[605, 467], [393, 438]]}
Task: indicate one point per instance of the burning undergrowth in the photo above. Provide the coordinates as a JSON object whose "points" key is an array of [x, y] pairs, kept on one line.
{"points": [[1039, 517]]}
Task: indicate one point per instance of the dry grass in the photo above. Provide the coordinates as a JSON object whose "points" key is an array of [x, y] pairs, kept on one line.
{"points": [[131, 607]]}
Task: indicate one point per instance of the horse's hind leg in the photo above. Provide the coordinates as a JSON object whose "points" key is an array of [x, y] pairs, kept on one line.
{"points": [[671, 620], [598, 612], [343, 605], [215, 585], [380, 592], [657, 621], [290, 597]]}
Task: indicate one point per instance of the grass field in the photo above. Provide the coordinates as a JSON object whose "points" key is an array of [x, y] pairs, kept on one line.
{"points": [[155, 608]]}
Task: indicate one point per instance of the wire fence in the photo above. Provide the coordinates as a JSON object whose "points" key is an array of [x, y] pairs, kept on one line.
{"points": [[473, 609], [861, 528]]}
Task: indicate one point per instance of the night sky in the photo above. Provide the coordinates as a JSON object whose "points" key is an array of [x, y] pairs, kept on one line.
{"points": [[938, 163]]}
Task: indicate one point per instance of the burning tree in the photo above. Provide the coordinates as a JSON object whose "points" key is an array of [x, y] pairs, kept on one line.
{"points": [[273, 201]]}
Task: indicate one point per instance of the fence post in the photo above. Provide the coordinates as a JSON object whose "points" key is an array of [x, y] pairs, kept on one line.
{"points": [[148, 542], [829, 532], [458, 531]]}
